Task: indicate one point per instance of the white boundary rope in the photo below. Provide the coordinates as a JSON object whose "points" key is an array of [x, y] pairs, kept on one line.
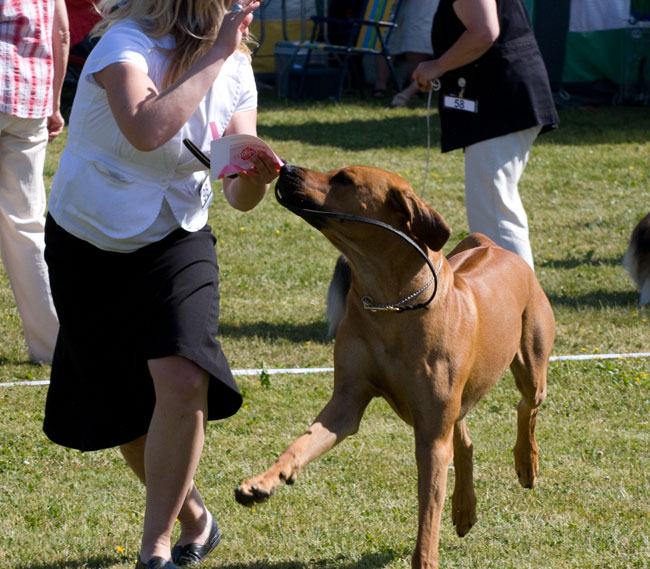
{"points": [[307, 370]]}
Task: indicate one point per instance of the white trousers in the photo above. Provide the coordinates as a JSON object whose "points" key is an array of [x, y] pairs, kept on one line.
{"points": [[492, 172], [22, 223]]}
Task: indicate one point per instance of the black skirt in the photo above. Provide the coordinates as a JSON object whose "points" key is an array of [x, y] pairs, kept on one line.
{"points": [[116, 312]]}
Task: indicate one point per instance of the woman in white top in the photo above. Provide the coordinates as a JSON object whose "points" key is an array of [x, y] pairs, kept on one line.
{"points": [[132, 262]]}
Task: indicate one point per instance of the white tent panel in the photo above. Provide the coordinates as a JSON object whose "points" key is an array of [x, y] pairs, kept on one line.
{"points": [[592, 15]]}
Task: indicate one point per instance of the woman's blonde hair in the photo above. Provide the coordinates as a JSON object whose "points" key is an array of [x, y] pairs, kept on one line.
{"points": [[193, 23]]}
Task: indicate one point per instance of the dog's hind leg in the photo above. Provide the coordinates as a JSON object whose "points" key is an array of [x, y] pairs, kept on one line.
{"points": [[463, 502], [529, 369]]}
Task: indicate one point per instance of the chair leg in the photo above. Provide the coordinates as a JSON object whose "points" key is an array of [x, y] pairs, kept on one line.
{"points": [[358, 74], [343, 73], [303, 75], [393, 74]]}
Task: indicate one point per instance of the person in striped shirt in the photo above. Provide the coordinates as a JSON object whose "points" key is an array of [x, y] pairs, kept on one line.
{"points": [[34, 45]]}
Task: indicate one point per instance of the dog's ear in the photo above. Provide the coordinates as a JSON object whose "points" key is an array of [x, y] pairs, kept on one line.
{"points": [[424, 222]]}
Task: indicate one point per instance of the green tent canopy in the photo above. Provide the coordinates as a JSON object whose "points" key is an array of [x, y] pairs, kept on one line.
{"points": [[595, 49]]}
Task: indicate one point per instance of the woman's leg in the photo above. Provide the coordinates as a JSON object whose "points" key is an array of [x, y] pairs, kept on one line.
{"points": [[194, 515], [492, 171], [22, 222], [167, 457]]}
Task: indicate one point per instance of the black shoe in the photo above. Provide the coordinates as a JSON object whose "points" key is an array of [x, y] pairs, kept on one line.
{"points": [[193, 553], [155, 563]]}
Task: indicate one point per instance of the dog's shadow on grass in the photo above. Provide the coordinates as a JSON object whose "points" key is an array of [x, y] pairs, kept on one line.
{"points": [[367, 561], [598, 299], [98, 562], [587, 260], [296, 333]]}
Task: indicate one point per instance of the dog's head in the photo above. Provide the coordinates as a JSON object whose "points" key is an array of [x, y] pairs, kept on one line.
{"points": [[360, 191]]}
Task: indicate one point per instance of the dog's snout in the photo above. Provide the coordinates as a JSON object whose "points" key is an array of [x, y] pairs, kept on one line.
{"points": [[290, 171], [295, 191], [290, 179], [287, 169]]}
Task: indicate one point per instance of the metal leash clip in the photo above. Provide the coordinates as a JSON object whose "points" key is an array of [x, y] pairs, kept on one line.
{"points": [[369, 304]]}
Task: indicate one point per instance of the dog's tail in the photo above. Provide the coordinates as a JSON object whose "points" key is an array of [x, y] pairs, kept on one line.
{"points": [[637, 259], [337, 295]]}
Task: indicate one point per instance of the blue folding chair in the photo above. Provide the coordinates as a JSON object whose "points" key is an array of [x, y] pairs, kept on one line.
{"points": [[366, 35]]}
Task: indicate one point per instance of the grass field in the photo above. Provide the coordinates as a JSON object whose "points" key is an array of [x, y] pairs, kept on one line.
{"points": [[585, 187]]}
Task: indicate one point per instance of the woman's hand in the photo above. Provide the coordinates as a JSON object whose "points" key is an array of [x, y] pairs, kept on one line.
{"points": [[55, 124], [264, 170], [248, 188], [425, 73], [234, 27]]}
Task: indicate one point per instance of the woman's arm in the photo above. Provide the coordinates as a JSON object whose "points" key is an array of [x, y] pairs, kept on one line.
{"points": [[60, 50], [149, 118], [481, 23], [246, 190]]}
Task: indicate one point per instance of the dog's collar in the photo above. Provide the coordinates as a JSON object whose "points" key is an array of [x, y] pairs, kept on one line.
{"points": [[369, 303]]}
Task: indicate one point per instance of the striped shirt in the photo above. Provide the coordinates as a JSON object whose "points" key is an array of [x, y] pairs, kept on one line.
{"points": [[26, 65]]}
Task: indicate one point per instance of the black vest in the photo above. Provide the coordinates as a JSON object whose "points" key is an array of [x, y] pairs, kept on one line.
{"points": [[509, 82]]}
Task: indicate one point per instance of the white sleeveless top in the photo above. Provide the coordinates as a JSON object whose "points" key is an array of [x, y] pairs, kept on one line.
{"points": [[119, 198]]}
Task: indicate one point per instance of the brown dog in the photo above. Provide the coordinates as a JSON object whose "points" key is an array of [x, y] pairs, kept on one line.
{"points": [[432, 364]]}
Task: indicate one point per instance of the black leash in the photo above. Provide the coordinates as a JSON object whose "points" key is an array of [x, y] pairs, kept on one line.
{"points": [[367, 301], [435, 86], [198, 154]]}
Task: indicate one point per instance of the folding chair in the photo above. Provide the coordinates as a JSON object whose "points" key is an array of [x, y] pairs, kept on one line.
{"points": [[368, 35]]}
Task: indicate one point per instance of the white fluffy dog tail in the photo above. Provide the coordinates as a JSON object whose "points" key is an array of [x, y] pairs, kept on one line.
{"points": [[337, 295]]}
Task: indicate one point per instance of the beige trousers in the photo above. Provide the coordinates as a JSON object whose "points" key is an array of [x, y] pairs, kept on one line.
{"points": [[22, 222], [492, 171]]}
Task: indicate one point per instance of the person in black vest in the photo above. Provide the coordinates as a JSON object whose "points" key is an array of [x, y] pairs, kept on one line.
{"points": [[495, 99]]}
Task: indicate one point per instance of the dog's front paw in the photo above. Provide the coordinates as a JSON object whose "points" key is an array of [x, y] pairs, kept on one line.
{"points": [[261, 488], [247, 495]]}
